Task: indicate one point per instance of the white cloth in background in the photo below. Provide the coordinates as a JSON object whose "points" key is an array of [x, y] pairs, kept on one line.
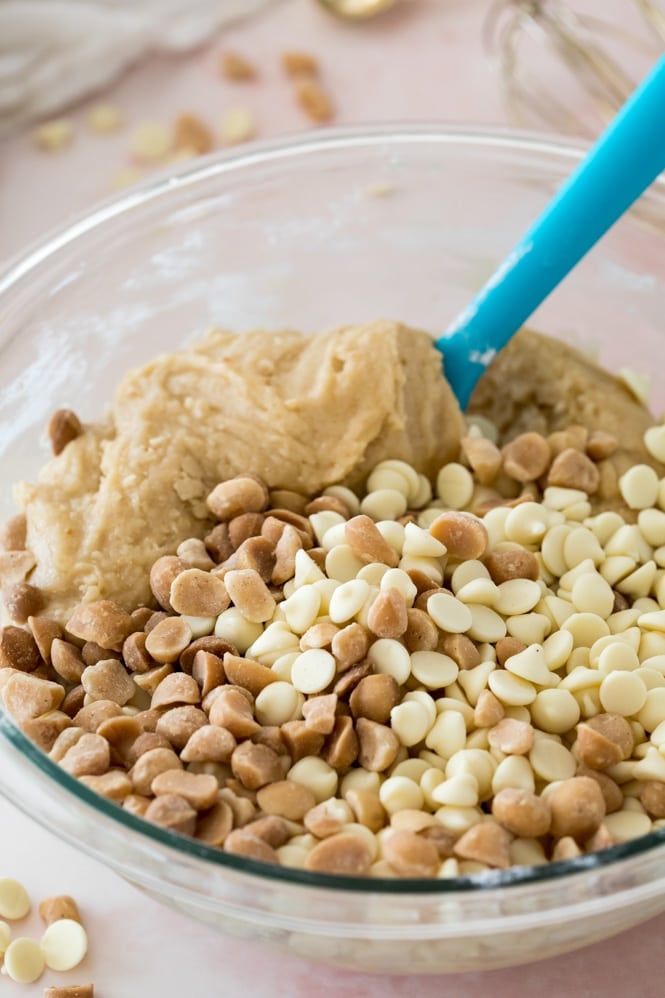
{"points": [[53, 52]]}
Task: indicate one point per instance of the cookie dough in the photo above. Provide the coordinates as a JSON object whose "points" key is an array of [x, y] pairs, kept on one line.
{"points": [[300, 411], [541, 384]]}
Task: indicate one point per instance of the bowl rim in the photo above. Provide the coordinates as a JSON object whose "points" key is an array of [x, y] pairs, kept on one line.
{"points": [[190, 173], [162, 185], [517, 876]]}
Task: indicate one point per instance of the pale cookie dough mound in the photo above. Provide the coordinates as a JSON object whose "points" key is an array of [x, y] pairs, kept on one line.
{"points": [[300, 411], [539, 384]]}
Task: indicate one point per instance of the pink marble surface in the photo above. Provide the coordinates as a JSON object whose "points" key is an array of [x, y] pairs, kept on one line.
{"points": [[423, 61]]}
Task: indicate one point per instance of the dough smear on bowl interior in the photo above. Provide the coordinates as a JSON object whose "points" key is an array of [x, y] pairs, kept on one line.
{"points": [[300, 411]]}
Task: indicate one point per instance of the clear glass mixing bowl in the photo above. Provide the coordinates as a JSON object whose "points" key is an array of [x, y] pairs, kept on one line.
{"points": [[340, 227]]}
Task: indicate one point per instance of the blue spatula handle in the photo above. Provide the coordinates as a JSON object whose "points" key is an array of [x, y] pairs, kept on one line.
{"points": [[621, 165]]}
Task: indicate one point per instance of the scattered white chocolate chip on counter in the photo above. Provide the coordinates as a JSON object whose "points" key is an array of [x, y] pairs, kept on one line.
{"points": [[24, 961], [151, 142], [64, 944], [14, 900], [125, 177], [5, 936], [237, 126], [104, 119], [54, 136]]}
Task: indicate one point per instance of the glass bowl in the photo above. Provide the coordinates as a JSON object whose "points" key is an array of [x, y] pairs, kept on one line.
{"points": [[340, 227]]}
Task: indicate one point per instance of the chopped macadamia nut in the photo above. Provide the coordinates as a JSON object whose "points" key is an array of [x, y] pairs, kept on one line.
{"points": [[526, 457], [191, 132], [300, 63], [577, 807], [64, 426], [313, 98], [236, 67], [70, 991]]}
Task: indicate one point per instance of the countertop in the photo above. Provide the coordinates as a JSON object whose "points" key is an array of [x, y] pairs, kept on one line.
{"points": [[425, 60]]}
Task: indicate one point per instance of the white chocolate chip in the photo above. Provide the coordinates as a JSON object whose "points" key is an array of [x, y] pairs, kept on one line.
{"points": [[407, 471], [24, 961], [347, 600], [626, 825], [486, 624], [421, 543], [477, 763], [426, 701], [395, 578], [388, 478], [449, 613], [592, 594], [454, 485], [551, 760], [313, 670], [343, 565], [527, 523], [276, 640], [580, 545], [638, 384], [511, 690], [398, 793], [14, 900], [639, 486], [458, 791], [466, 572], [316, 775], [585, 628], [555, 711], [151, 142], [447, 736], [514, 773], [433, 669], [622, 693], [237, 126], [5, 936], [236, 629], [516, 596], [302, 608], [530, 664], [278, 703], [390, 657], [64, 944], [104, 119], [654, 440], [384, 504], [410, 722]]}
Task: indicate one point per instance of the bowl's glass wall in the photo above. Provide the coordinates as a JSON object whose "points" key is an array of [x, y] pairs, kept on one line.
{"points": [[339, 229], [404, 227]]}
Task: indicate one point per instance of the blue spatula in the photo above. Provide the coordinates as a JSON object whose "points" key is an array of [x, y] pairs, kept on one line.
{"points": [[625, 160]]}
